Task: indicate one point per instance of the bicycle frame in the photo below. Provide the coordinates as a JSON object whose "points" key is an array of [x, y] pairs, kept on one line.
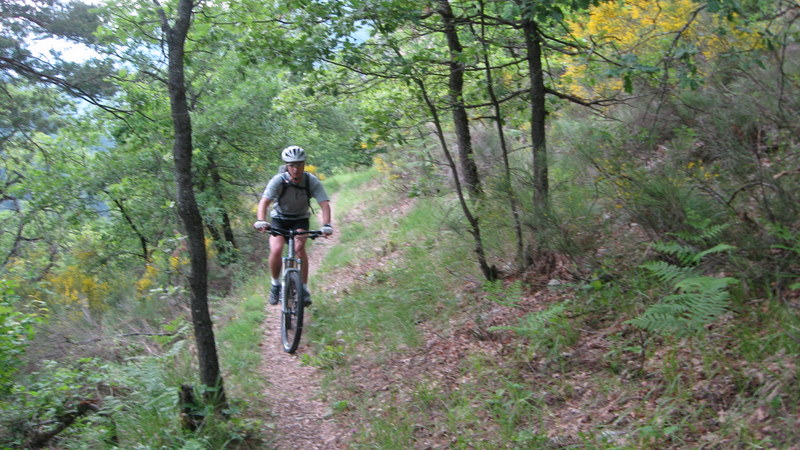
{"points": [[290, 261]]}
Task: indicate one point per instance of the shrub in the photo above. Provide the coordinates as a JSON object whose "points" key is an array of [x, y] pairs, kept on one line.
{"points": [[16, 330]]}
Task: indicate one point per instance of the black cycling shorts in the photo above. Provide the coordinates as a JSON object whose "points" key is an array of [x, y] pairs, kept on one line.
{"points": [[290, 224]]}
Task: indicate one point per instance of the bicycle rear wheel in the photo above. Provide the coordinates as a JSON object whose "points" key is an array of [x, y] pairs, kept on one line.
{"points": [[292, 311]]}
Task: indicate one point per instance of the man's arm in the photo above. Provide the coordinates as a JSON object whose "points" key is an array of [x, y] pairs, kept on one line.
{"points": [[263, 207], [326, 212], [261, 215]]}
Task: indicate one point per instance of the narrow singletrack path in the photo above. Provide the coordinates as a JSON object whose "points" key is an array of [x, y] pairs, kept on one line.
{"points": [[301, 420]]}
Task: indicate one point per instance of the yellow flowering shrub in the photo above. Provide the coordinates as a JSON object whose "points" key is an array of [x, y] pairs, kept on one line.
{"points": [[381, 165], [384, 167], [147, 280], [648, 30], [211, 251], [310, 168], [72, 286]]}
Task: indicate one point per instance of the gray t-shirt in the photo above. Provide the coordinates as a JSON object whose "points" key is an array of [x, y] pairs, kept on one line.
{"points": [[293, 203]]}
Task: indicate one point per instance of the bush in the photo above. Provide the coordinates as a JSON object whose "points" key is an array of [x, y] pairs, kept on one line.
{"points": [[16, 330]]}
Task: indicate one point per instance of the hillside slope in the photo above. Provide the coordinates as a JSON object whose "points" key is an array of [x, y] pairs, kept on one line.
{"points": [[418, 352]]}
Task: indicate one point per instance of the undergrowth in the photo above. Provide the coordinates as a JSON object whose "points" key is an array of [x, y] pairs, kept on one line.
{"points": [[599, 361], [132, 402]]}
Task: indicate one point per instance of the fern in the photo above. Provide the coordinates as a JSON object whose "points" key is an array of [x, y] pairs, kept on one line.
{"points": [[509, 295], [537, 324], [667, 272], [548, 331], [680, 251], [686, 254], [703, 232], [791, 245], [719, 248], [697, 301]]}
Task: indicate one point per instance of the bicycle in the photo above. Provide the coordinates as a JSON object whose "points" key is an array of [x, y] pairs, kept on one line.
{"points": [[292, 304]]}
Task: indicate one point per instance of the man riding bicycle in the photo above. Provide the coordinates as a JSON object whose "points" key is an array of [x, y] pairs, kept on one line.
{"points": [[290, 192]]}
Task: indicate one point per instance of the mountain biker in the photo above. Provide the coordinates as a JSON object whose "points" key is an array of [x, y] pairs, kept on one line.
{"points": [[290, 192]]}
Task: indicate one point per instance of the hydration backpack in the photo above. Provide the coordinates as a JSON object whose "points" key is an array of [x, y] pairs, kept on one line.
{"points": [[287, 183]]}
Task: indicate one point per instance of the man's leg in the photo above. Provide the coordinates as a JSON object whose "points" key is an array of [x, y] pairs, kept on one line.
{"points": [[275, 265], [275, 255], [300, 250]]}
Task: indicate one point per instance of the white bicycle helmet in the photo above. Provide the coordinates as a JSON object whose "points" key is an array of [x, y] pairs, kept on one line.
{"points": [[293, 153]]}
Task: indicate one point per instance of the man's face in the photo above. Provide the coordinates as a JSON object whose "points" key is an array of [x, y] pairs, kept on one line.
{"points": [[295, 170]]}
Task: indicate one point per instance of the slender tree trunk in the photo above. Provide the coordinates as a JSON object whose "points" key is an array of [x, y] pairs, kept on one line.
{"points": [[216, 182], [129, 219], [533, 46], [489, 272], [187, 204], [507, 179], [456, 92], [220, 227]]}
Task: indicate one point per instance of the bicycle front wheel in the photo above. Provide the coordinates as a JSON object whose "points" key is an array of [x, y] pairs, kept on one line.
{"points": [[292, 311]]}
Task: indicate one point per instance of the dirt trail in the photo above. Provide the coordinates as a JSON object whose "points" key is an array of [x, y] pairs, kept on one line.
{"points": [[301, 420]]}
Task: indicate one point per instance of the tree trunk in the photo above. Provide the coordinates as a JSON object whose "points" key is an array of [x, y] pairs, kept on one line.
{"points": [[498, 119], [489, 272], [134, 228], [187, 204], [216, 186], [466, 154], [533, 47], [220, 226]]}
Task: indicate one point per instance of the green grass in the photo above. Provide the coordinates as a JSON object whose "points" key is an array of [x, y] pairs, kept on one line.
{"points": [[349, 181], [380, 316], [239, 338], [386, 306], [354, 236]]}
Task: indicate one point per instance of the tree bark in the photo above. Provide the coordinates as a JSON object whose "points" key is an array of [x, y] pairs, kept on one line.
{"points": [[466, 155], [187, 203], [533, 45]]}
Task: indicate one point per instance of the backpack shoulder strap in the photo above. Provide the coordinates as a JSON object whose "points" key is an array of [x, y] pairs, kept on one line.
{"points": [[307, 182]]}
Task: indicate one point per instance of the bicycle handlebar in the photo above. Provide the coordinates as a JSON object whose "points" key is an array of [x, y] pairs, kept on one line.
{"points": [[313, 234]]}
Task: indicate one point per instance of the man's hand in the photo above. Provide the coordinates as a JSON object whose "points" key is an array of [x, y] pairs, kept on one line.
{"points": [[327, 229], [261, 225]]}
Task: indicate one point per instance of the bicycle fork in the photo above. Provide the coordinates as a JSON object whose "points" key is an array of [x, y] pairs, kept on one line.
{"points": [[290, 264]]}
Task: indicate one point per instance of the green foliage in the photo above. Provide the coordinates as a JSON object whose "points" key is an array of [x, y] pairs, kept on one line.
{"points": [[549, 330], [790, 246], [513, 405], [351, 182], [687, 255], [705, 154], [136, 406], [390, 299], [239, 341], [506, 295], [698, 300], [16, 331], [325, 357], [46, 397]]}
